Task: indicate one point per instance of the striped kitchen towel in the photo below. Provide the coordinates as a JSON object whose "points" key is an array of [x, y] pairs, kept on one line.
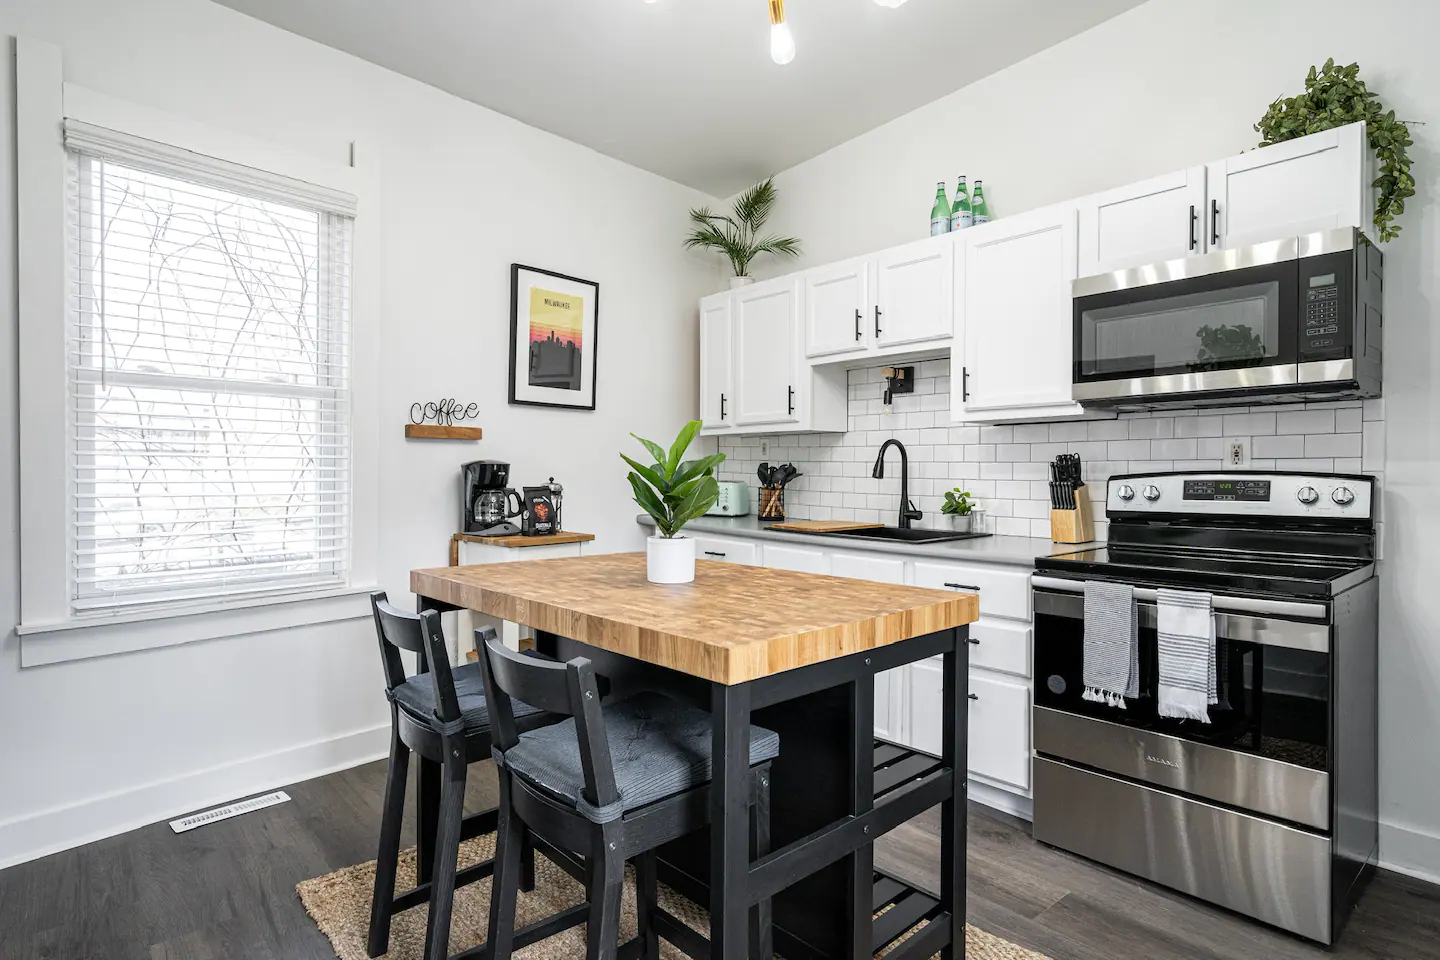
{"points": [[1111, 671], [1186, 681]]}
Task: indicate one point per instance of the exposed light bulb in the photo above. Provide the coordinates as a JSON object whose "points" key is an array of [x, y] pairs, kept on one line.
{"points": [[782, 44], [892, 4]]}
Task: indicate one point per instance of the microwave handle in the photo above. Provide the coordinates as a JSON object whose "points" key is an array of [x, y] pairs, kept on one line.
{"points": [[1222, 604]]}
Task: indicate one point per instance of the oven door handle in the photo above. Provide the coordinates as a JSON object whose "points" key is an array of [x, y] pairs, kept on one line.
{"points": [[1222, 604]]}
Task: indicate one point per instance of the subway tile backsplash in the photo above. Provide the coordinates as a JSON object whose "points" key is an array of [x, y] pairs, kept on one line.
{"points": [[1006, 468]]}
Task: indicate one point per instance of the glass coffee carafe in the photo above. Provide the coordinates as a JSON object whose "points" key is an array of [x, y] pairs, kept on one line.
{"points": [[493, 507]]}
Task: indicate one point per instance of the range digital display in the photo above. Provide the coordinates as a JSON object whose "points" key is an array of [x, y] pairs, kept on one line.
{"points": [[1257, 491]]}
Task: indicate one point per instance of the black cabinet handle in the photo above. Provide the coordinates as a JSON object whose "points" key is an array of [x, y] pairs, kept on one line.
{"points": [[714, 553], [722, 406], [974, 696], [964, 384], [789, 400], [857, 324], [1215, 222], [877, 319], [973, 642], [963, 586], [1193, 218]]}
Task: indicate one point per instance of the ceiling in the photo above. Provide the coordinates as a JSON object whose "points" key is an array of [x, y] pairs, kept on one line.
{"points": [[686, 88]]}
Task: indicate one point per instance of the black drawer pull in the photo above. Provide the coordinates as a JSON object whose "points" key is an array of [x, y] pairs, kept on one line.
{"points": [[963, 586], [722, 406], [857, 324], [877, 320], [714, 553], [1193, 218], [789, 400], [974, 696], [974, 642], [1215, 222]]}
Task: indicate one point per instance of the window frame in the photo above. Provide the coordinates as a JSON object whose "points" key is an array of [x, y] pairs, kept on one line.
{"points": [[49, 631]]}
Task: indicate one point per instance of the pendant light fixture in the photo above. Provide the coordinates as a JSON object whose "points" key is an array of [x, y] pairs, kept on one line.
{"points": [[782, 44]]}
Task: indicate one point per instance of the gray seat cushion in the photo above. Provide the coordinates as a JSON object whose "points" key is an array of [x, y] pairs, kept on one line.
{"points": [[417, 697], [659, 747]]}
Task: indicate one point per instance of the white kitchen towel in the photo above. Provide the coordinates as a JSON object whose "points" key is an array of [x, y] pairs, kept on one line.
{"points": [[1186, 680], [1111, 671]]}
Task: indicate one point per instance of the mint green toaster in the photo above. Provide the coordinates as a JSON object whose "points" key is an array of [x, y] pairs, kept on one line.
{"points": [[734, 500]]}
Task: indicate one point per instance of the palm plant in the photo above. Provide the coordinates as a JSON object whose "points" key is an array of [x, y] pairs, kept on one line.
{"points": [[738, 235]]}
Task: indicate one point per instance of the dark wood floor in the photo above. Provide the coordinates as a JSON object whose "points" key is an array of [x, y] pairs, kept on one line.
{"points": [[228, 891]]}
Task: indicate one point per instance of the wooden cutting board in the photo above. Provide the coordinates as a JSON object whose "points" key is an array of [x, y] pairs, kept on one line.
{"points": [[823, 526]]}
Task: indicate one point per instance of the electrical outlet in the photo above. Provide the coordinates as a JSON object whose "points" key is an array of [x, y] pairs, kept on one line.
{"points": [[764, 448], [1237, 453]]}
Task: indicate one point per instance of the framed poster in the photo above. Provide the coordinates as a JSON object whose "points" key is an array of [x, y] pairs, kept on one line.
{"points": [[553, 322]]}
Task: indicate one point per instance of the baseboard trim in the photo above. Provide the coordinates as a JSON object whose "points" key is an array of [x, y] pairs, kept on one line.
{"points": [[1410, 851], [61, 828], [1003, 800]]}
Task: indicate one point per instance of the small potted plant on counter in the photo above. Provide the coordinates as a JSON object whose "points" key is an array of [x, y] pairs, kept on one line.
{"points": [[673, 492], [957, 508]]}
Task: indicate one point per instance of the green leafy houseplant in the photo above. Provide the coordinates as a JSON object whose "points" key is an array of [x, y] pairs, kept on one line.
{"points": [[1333, 97], [738, 234], [957, 503], [672, 491]]}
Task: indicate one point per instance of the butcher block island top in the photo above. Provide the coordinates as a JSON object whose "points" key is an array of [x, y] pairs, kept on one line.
{"points": [[733, 624]]}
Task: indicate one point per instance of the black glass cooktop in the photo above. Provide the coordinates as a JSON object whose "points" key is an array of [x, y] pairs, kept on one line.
{"points": [[1215, 571]]}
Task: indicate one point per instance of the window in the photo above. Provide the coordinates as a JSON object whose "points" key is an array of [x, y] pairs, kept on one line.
{"points": [[208, 375]]}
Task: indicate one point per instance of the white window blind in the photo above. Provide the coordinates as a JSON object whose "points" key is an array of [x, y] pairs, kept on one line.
{"points": [[209, 388]]}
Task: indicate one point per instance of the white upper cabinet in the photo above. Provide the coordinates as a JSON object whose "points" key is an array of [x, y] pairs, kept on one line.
{"points": [[767, 352], [1316, 182], [1017, 351], [914, 293], [1157, 219], [837, 308], [717, 359]]}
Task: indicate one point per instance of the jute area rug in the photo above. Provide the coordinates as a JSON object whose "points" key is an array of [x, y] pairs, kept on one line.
{"points": [[339, 903]]}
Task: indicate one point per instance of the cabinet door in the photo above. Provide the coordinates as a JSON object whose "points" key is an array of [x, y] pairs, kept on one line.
{"points": [[1017, 352], [837, 308], [891, 686], [726, 551], [1143, 223], [1316, 182], [1000, 730], [924, 709], [767, 351], [914, 293], [794, 558], [717, 359]]}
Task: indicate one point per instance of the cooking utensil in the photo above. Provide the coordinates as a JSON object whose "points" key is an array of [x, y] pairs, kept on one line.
{"points": [[764, 474]]}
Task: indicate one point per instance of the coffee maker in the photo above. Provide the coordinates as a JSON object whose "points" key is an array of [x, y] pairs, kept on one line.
{"points": [[487, 499]]}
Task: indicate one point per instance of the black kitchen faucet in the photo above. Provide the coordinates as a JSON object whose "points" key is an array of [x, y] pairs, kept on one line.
{"points": [[907, 509]]}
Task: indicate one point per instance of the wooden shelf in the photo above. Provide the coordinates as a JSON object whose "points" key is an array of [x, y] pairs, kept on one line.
{"points": [[435, 431]]}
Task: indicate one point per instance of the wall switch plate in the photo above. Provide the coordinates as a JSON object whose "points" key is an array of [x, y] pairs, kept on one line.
{"points": [[764, 447], [1237, 453]]}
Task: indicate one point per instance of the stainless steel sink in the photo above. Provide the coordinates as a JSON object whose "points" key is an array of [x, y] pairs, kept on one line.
{"points": [[896, 534]]}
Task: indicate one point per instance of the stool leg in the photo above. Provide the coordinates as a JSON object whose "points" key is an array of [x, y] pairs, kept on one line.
{"points": [[647, 895], [427, 812], [762, 939], [527, 861], [503, 883], [387, 861], [607, 885], [447, 849]]}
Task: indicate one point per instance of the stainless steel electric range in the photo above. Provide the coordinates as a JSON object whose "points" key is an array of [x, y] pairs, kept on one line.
{"points": [[1269, 809]]}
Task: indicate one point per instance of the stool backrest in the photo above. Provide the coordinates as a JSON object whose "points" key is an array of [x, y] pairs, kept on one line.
{"points": [[568, 689], [418, 633]]}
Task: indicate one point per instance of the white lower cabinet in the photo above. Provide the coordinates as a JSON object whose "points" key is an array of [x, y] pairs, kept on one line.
{"points": [[795, 558], [1000, 729], [923, 707], [890, 698], [727, 550]]}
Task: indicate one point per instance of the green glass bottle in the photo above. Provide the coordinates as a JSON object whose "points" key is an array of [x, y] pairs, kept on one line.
{"points": [[960, 214], [940, 213], [980, 210]]}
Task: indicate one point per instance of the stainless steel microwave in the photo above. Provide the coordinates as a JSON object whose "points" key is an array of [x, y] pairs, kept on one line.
{"points": [[1292, 319]]}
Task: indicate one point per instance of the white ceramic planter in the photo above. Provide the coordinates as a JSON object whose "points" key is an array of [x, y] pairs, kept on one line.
{"points": [[960, 523], [670, 560], [737, 282]]}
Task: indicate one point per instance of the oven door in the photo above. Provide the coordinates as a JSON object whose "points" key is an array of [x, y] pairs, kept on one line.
{"points": [[1205, 325], [1273, 676]]}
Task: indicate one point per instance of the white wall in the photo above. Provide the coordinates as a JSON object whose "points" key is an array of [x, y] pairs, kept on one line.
{"points": [[1167, 85], [96, 746]]}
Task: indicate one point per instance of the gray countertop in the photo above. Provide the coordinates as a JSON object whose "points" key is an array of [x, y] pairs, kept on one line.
{"points": [[1018, 551]]}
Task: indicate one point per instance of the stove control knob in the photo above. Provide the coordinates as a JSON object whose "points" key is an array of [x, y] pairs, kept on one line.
{"points": [[1307, 495], [1126, 492], [1152, 492], [1343, 496]]}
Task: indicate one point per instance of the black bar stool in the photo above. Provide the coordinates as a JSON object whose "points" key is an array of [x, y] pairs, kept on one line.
{"points": [[443, 717], [612, 783]]}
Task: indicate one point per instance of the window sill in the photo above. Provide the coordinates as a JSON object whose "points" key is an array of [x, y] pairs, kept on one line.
{"points": [[83, 638]]}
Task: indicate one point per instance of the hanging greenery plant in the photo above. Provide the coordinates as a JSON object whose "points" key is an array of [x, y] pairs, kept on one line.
{"points": [[1333, 97]]}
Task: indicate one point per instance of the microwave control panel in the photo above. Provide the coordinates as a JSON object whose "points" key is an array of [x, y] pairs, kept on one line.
{"points": [[1327, 307]]}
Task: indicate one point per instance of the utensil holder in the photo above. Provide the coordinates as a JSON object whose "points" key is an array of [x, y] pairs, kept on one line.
{"points": [[1074, 526], [772, 503]]}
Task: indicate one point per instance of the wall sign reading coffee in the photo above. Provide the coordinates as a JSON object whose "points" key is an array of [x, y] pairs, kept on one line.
{"points": [[443, 412]]}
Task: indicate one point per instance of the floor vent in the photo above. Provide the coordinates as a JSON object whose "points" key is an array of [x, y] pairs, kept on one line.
{"points": [[228, 811]]}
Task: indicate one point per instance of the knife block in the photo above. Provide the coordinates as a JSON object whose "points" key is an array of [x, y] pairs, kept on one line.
{"points": [[1074, 526]]}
